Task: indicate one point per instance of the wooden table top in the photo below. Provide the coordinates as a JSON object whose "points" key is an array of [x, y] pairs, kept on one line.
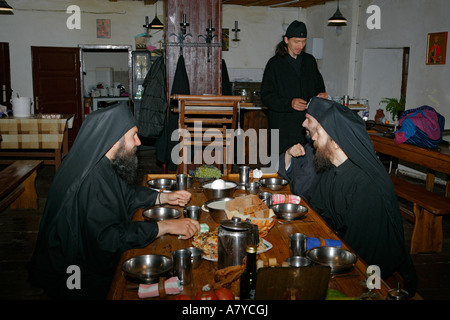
{"points": [[313, 226]]}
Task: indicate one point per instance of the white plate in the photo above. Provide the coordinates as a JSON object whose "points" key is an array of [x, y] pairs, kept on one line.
{"points": [[266, 243]]}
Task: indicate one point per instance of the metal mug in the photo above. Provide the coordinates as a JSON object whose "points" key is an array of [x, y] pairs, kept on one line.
{"points": [[182, 181], [192, 212], [244, 173], [182, 265], [266, 197], [298, 244]]}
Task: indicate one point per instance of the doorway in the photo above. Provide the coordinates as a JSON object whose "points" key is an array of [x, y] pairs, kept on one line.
{"points": [[104, 67], [384, 75]]}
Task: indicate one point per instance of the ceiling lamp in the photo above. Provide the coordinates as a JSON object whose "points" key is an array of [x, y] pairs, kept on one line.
{"points": [[337, 19], [5, 8], [156, 23]]}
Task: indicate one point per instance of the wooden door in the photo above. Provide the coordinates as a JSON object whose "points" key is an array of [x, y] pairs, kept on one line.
{"points": [[5, 76], [57, 83]]}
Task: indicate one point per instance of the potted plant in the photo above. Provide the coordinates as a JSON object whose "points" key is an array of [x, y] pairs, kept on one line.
{"points": [[394, 106]]}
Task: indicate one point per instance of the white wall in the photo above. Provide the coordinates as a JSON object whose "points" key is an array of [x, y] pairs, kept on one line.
{"points": [[405, 23]]}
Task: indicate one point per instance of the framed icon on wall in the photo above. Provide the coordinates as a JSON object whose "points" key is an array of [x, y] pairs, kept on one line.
{"points": [[104, 28], [437, 48]]}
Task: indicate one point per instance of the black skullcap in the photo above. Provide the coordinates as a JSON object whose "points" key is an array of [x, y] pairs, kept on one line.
{"points": [[296, 29]]}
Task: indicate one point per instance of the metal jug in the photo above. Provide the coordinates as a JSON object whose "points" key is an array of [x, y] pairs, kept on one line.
{"points": [[234, 236]]}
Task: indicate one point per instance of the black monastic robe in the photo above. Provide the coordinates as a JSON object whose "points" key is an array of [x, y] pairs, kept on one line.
{"points": [[87, 218]]}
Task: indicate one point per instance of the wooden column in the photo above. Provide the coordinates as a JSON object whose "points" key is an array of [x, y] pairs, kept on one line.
{"points": [[204, 77]]}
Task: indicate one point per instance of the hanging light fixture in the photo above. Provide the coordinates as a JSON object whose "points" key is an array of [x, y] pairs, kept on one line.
{"points": [[156, 23], [5, 8], [337, 19]]}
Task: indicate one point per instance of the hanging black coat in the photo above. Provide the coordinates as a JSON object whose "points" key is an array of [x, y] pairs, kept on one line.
{"points": [[153, 109], [164, 144]]}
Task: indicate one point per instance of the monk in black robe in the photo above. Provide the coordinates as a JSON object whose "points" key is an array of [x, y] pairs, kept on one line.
{"points": [[86, 223], [353, 191]]}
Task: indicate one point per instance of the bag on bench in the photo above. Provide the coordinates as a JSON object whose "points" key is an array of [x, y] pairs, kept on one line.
{"points": [[421, 127]]}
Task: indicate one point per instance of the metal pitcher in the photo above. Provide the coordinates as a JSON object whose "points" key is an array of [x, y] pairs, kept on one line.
{"points": [[234, 236]]}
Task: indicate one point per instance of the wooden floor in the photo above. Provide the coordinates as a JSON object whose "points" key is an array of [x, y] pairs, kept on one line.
{"points": [[19, 229]]}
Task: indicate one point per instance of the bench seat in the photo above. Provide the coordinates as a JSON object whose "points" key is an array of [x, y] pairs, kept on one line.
{"points": [[18, 185], [428, 209]]}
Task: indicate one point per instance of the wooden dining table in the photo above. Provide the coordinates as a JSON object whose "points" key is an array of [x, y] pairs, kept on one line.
{"points": [[351, 284]]}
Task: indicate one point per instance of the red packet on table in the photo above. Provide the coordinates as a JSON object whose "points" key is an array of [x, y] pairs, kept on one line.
{"points": [[282, 198], [171, 286]]}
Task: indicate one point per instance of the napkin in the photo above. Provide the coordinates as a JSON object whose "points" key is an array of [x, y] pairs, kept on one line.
{"points": [[171, 286], [315, 242], [282, 198]]}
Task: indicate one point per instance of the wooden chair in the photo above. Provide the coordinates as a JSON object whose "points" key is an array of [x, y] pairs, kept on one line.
{"points": [[218, 113]]}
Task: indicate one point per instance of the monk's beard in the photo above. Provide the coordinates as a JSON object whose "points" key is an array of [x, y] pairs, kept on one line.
{"points": [[126, 164], [322, 160]]}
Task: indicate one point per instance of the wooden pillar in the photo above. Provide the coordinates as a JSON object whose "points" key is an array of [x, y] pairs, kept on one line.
{"points": [[204, 77]]}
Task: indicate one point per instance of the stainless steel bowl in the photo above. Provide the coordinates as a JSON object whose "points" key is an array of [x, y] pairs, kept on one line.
{"points": [[216, 208], [252, 187], [159, 184], [289, 211], [161, 213], [211, 193], [273, 183], [147, 268], [298, 261], [196, 256], [340, 260]]}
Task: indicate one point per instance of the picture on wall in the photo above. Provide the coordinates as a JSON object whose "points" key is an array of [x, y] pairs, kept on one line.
{"points": [[437, 48], [104, 28], [225, 39]]}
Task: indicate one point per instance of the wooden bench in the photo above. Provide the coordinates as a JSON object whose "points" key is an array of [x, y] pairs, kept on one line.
{"points": [[18, 188], [428, 209]]}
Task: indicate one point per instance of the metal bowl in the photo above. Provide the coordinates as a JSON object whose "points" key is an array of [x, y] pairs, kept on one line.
{"points": [[147, 268], [196, 256], [211, 193], [216, 208], [161, 213], [252, 187], [289, 211], [298, 261], [273, 183], [340, 260], [159, 184]]}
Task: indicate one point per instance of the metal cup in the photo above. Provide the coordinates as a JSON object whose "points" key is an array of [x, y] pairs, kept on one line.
{"points": [[192, 212], [182, 181], [182, 265], [266, 197], [298, 244], [244, 173]]}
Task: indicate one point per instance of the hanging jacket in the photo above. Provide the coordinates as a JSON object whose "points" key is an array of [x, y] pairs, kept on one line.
{"points": [[153, 110], [164, 145]]}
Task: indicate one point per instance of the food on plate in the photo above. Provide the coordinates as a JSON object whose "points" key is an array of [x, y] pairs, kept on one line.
{"points": [[205, 171], [245, 205], [208, 242], [253, 208]]}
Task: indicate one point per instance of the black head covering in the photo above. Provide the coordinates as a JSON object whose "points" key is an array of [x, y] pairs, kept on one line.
{"points": [[296, 29]]}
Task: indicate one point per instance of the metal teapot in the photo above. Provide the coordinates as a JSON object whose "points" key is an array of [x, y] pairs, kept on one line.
{"points": [[234, 236]]}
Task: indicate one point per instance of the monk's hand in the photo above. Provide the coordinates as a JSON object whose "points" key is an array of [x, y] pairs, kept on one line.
{"points": [[299, 104], [296, 151], [176, 198], [185, 227]]}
